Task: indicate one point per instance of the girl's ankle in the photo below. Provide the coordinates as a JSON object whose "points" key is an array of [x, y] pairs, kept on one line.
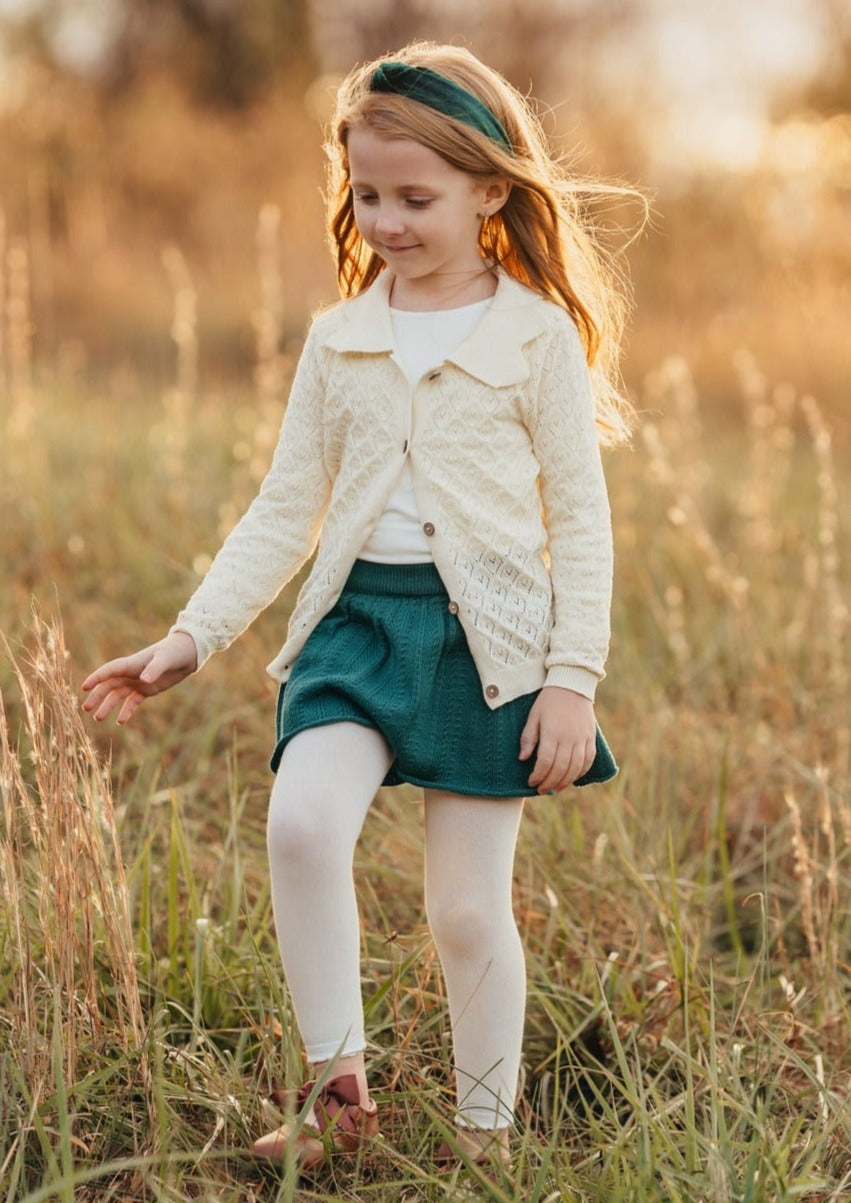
{"points": [[484, 1142], [344, 1067]]}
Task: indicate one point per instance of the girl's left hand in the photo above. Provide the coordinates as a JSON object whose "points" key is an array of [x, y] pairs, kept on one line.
{"points": [[561, 722]]}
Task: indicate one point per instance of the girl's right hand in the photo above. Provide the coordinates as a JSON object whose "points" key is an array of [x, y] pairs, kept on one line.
{"points": [[128, 681]]}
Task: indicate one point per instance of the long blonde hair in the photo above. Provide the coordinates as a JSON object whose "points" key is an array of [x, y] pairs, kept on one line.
{"points": [[542, 235]]}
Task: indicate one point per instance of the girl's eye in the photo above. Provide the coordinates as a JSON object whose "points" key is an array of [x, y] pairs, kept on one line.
{"points": [[364, 198], [419, 202]]}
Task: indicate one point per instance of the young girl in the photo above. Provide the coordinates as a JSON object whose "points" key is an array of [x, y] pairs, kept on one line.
{"points": [[440, 452]]}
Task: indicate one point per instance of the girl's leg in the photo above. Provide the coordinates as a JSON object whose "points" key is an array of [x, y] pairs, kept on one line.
{"points": [[469, 862], [326, 781]]}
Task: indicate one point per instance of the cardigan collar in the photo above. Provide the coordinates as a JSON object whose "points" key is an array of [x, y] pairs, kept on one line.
{"points": [[492, 353]]}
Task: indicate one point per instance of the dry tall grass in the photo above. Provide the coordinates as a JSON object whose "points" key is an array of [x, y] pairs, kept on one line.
{"points": [[686, 933], [71, 1006], [687, 930]]}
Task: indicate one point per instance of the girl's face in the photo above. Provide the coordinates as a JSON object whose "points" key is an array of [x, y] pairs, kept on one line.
{"points": [[421, 216]]}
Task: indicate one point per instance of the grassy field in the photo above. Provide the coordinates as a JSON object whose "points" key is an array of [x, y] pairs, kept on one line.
{"points": [[687, 927]]}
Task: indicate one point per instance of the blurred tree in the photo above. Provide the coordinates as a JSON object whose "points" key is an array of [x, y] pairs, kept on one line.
{"points": [[228, 51], [545, 44], [224, 52], [828, 92]]}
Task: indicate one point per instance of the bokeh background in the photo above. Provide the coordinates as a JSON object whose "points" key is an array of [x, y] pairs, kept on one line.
{"points": [[687, 930], [141, 139]]}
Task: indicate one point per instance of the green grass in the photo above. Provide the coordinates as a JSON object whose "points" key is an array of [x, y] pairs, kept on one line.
{"points": [[686, 927]]}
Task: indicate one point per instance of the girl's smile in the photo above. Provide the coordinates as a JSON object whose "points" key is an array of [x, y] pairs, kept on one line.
{"points": [[422, 216]]}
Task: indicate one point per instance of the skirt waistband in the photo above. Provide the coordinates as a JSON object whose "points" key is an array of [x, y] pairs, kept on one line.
{"points": [[395, 580]]}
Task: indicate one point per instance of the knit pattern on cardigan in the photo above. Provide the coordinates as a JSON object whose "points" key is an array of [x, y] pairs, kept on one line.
{"points": [[506, 467]]}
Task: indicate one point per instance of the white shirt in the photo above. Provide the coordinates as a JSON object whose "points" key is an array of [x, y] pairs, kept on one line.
{"points": [[508, 477], [422, 340]]}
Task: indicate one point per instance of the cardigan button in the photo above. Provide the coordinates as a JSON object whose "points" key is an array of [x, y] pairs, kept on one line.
{"points": [[492, 691], [428, 527], [452, 607]]}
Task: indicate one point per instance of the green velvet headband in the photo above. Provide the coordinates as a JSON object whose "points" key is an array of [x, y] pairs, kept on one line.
{"points": [[429, 88]]}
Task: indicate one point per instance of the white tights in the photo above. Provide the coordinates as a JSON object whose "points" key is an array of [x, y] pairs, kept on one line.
{"points": [[325, 784]]}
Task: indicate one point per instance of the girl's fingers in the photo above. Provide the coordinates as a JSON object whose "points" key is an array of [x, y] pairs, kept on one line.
{"points": [[529, 735], [97, 694], [126, 682], [125, 694], [569, 763], [114, 697], [580, 763], [126, 666], [544, 762], [96, 677], [558, 769], [557, 721], [158, 664], [103, 690], [131, 705]]}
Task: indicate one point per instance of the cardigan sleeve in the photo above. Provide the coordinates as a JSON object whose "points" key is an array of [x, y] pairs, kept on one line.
{"points": [[279, 530], [576, 514]]}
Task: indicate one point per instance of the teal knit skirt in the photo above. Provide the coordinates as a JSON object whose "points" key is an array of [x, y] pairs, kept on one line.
{"points": [[391, 655]]}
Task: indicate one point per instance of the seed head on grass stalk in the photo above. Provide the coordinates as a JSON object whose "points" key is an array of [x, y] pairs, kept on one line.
{"points": [[177, 400], [19, 336], [2, 301], [267, 319], [67, 919], [835, 607]]}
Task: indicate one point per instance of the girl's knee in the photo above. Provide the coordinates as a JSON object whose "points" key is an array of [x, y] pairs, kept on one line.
{"points": [[296, 830], [463, 926]]}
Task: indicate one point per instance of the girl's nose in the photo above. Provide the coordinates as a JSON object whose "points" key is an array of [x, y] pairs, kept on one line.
{"points": [[388, 221]]}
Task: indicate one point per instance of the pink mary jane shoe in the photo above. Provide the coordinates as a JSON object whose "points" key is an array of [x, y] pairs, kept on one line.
{"points": [[342, 1125], [494, 1161]]}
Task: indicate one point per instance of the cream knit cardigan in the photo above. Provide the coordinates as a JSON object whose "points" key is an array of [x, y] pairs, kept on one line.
{"points": [[505, 461]]}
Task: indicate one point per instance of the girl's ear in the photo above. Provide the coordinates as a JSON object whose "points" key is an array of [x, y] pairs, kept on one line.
{"points": [[494, 195]]}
